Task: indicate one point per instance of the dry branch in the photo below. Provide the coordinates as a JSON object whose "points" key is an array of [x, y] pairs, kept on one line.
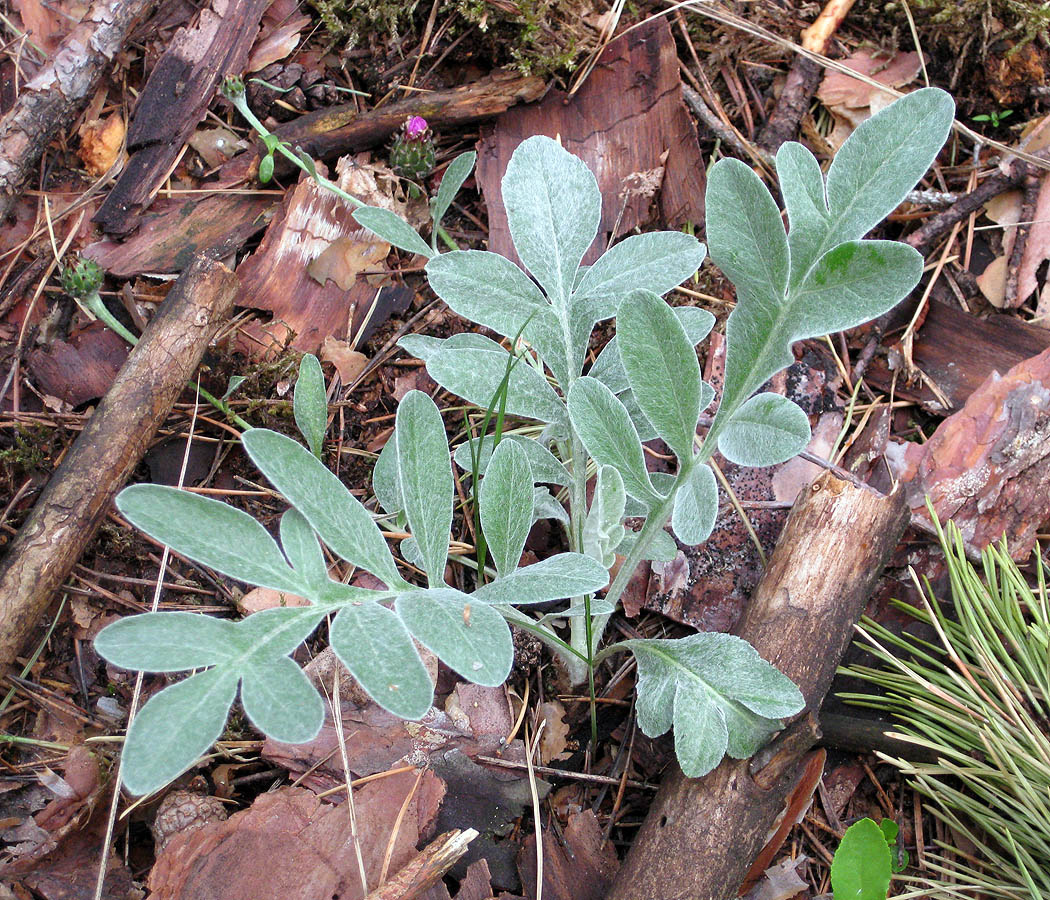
{"points": [[701, 834], [55, 94], [426, 868], [75, 500]]}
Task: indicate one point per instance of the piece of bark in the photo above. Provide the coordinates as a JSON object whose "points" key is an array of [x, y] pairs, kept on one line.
{"points": [[111, 444], [800, 619], [987, 466], [420, 873], [171, 234], [329, 133], [628, 123], [175, 99], [51, 99], [578, 866], [81, 369], [958, 351]]}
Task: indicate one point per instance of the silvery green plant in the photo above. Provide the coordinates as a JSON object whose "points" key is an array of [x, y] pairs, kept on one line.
{"points": [[588, 421]]}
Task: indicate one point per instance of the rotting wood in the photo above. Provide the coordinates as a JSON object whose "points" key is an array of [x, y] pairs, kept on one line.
{"points": [[173, 102], [423, 871], [793, 103], [49, 101], [111, 444], [801, 616], [328, 133]]}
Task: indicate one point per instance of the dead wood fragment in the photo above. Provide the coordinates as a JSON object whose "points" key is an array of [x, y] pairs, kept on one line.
{"points": [[636, 86], [111, 444], [171, 234], [958, 351], [328, 133], [423, 871], [816, 37], [793, 103], [1029, 196], [800, 618], [174, 100], [55, 94]]}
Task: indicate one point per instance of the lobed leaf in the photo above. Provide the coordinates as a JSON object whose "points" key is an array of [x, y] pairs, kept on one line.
{"points": [[376, 648], [389, 226], [332, 511], [553, 209], [506, 505], [211, 532], [662, 369], [465, 633], [716, 690], [310, 403], [156, 753], [425, 474], [768, 429]]}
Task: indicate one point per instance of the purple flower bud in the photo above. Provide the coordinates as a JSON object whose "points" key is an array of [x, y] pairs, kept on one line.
{"points": [[415, 127]]}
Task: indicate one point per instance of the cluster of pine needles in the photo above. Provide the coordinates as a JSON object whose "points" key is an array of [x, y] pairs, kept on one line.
{"points": [[978, 701]]}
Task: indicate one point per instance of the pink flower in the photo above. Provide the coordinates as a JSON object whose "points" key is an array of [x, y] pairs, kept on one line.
{"points": [[415, 127]]}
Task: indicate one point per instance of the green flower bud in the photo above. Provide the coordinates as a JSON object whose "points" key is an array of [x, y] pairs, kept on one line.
{"points": [[266, 168], [82, 279]]}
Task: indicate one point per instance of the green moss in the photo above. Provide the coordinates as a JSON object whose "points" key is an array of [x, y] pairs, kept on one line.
{"points": [[1022, 19], [541, 37], [29, 449]]}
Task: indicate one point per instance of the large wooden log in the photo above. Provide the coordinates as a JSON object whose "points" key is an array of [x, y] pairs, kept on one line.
{"points": [[701, 834], [76, 498]]}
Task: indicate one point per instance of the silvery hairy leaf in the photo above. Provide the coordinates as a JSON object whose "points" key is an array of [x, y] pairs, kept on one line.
{"points": [[465, 633], [303, 550], [603, 528], [719, 694], [695, 506], [605, 427], [490, 290], [768, 429], [505, 500], [393, 229], [546, 506], [332, 511], [554, 578], [425, 475], [280, 700], [546, 467], [655, 262], [457, 172], [210, 532], [376, 648], [476, 373], [553, 210], [608, 368], [822, 278], [386, 484], [310, 403], [662, 549], [661, 367], [167, 642]]}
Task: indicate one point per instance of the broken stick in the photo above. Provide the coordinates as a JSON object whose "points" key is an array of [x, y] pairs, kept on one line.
{"points": [[55, 94], [78, 495], [701, 834]]}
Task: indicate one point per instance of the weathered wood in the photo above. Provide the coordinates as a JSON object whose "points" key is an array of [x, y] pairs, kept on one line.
{"points": [[111, 444], [175, 99], [701, 835], [329, 133], [426, 868], [629, 124], [57, 92]]}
